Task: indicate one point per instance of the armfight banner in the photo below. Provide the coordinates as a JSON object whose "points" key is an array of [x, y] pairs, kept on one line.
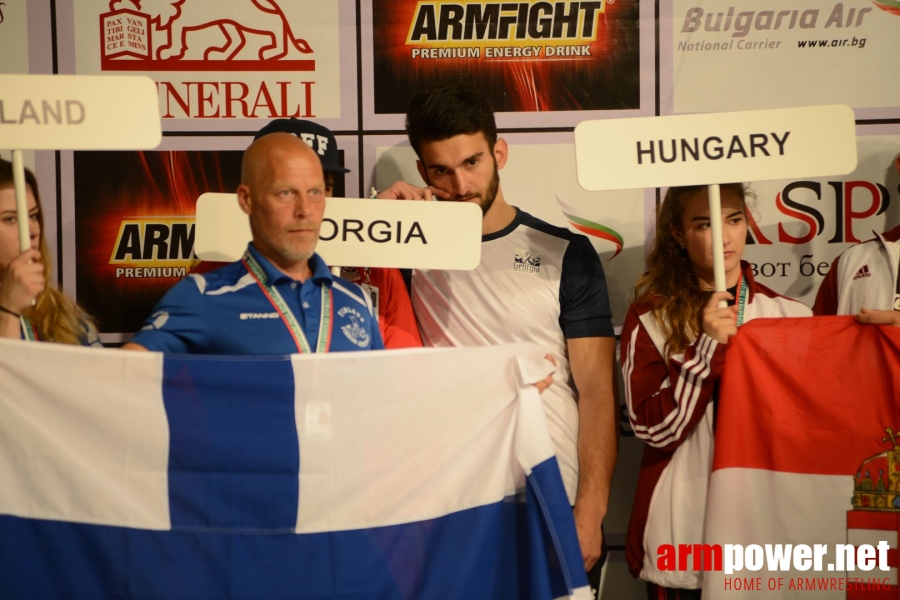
{"points": [[807, 452], [131, 475]]}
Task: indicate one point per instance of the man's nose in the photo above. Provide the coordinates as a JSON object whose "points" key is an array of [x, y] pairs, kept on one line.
{"points": [[302, 206], [460, 183]]}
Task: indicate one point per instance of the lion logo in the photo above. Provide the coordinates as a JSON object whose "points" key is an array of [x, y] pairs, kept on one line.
{"points": [[180, 28]]}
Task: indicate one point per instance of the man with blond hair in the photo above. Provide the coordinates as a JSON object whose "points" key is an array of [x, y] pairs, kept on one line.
{"points": [[280, 298]]}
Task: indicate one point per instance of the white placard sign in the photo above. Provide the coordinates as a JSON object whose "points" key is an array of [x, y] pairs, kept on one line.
{"points": [[78, 112], [757, 145], [359, 232]]}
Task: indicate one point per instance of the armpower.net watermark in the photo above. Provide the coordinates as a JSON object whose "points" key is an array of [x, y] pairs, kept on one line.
{"points": [[745, 561]]}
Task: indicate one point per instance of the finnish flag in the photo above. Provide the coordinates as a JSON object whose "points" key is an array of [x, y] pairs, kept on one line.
{"points": [[389, 475]]}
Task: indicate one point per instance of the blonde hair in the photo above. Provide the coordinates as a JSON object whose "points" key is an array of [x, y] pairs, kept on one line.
{"points": [[670, 285], [55, 317]]}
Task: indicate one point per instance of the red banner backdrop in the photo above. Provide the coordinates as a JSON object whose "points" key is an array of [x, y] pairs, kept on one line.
{"points": [[134, 218]]}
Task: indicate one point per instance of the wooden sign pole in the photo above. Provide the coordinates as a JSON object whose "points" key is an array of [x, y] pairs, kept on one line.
{"points": [[21, 201]]}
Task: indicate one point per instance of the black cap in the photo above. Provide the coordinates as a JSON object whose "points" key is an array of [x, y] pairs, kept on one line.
{"points": [[319, 138]]}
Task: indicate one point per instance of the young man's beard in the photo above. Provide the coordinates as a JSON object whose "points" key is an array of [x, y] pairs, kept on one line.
{"points": [[490, 194]]}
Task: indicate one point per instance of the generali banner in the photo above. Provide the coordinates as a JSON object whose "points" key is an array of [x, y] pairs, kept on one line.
{"points": [[214, 60]]}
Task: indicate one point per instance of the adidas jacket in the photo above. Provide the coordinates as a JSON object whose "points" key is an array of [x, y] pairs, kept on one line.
{"points": [[864, 276], [670, 408]]}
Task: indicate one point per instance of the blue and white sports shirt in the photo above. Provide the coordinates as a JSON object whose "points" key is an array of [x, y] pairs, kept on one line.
{"points": [[229, 311]]}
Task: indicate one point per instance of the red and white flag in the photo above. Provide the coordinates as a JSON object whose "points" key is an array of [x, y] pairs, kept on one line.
{"points": [[807, 452]]}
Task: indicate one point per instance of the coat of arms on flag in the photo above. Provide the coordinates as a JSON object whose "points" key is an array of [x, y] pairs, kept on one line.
{"points": [[876, 511], [800, 459]]}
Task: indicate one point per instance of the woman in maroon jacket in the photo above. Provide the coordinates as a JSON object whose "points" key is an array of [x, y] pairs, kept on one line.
{"points": [[673, 353]]}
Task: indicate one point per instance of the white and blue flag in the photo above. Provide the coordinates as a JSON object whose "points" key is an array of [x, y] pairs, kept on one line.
{"points": [[421, 474]]}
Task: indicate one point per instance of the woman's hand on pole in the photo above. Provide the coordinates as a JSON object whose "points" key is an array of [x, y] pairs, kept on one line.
{"points": [[22, 282], [720, 323]]}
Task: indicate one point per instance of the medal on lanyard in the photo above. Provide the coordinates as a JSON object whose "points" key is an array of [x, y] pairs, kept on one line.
{"points": [[29, 331], [287, 316], [370, 289], [741, 300]]}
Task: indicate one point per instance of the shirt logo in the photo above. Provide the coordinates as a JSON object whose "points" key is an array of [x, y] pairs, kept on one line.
{"points": [[526, 262], [354, 331], [863, 272], [350, 274], [246, 316]]}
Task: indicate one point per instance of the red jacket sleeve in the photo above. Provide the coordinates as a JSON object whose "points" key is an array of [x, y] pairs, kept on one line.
{"points": [[666, 398], [397, 320], [827, 296]]}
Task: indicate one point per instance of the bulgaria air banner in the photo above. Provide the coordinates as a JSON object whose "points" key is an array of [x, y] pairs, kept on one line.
{"points": [[804, 498], [134, 475]]}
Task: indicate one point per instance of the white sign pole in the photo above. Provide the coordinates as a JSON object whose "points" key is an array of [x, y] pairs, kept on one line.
{"points": [[21, 201], [718, 243], [73, 112]]}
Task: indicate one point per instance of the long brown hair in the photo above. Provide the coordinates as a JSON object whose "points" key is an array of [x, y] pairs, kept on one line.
{"points": [[55, 317], [670, 285]]}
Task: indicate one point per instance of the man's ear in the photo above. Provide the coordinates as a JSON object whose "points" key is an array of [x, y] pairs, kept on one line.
{"points": [[501, 152], [422, 172], [243, 195]]}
